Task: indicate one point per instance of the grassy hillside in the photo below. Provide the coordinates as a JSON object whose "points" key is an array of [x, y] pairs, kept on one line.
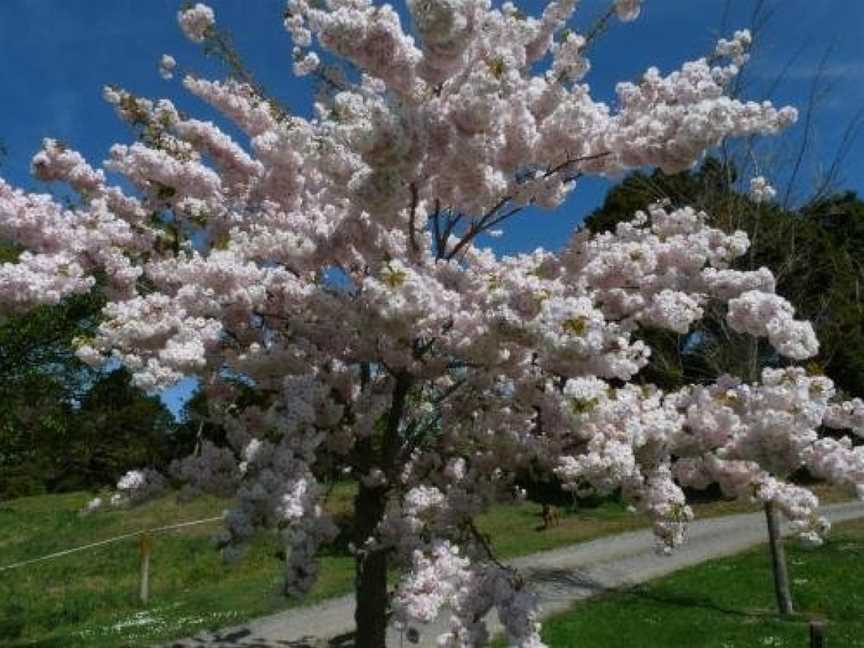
{"points": [[90, 598]]}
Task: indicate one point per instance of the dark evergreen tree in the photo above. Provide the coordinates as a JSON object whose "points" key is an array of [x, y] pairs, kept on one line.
{"points": [[64, 425]]}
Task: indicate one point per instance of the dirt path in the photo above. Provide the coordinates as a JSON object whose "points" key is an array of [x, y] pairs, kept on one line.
{"points": [[559, 577]]}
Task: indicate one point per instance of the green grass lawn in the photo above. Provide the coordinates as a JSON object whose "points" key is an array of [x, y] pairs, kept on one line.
{"points": [[90, 598], [729, 603]]}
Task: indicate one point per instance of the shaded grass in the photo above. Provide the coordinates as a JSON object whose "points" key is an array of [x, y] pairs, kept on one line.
{"points": [[90, 598], [729, 603]]}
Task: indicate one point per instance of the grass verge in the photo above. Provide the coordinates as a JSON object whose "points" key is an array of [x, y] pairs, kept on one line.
{"points": [[729, 603]]}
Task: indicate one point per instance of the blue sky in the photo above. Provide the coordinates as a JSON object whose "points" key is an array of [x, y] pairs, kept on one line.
{"points": [[57, 55]]}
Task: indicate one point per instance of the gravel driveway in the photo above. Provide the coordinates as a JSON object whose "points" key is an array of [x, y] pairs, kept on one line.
{"points": [[559, 577]]}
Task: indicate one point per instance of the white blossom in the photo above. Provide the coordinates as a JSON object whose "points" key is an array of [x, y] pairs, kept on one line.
{"points": [[196, 21], [166, 66]]}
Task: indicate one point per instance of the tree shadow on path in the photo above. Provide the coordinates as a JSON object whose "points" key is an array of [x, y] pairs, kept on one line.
{"points": [[571, 581], [244, 638]]}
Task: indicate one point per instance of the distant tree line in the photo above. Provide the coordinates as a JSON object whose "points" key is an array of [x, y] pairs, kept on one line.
{"points": [[64, 425]]}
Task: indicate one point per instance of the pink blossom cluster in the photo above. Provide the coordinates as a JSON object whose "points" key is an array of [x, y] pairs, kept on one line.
{"points": [[167, 64], [332, 266], [736, 47], [628, 10], [440, 577], [849, 414], [750, 438], [136, 486], [761, 191], [767, 315], [195, 21]]}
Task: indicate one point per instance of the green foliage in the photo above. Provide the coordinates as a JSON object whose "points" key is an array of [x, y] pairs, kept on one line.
{"points": [[840, 309], [815, 253], [115, 428], [64, 425], [39, 378]]}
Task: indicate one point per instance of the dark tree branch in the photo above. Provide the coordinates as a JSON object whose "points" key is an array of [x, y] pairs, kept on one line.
{"points": [[412, 225], [489, 219]]}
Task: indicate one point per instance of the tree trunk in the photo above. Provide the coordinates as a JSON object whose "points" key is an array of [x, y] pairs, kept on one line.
{"points": [[370, 615], [778, 561], [370, 584]]}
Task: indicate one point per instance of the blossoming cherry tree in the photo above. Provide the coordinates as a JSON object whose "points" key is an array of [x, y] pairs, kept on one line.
{"points": [[332, 267]]}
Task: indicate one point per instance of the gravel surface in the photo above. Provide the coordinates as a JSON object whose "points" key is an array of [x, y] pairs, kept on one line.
{"points": [[559, 577]]}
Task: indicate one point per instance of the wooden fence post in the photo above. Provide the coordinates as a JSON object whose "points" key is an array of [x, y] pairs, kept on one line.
{"points": [[146, 546], [817, 634], [778, 560]]}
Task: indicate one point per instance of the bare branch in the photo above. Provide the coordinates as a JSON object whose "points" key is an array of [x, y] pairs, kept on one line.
{"points": [[489, 220], [816, 90]]}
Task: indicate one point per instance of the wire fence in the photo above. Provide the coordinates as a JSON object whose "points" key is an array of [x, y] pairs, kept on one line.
{"points": [[100, 543]]}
